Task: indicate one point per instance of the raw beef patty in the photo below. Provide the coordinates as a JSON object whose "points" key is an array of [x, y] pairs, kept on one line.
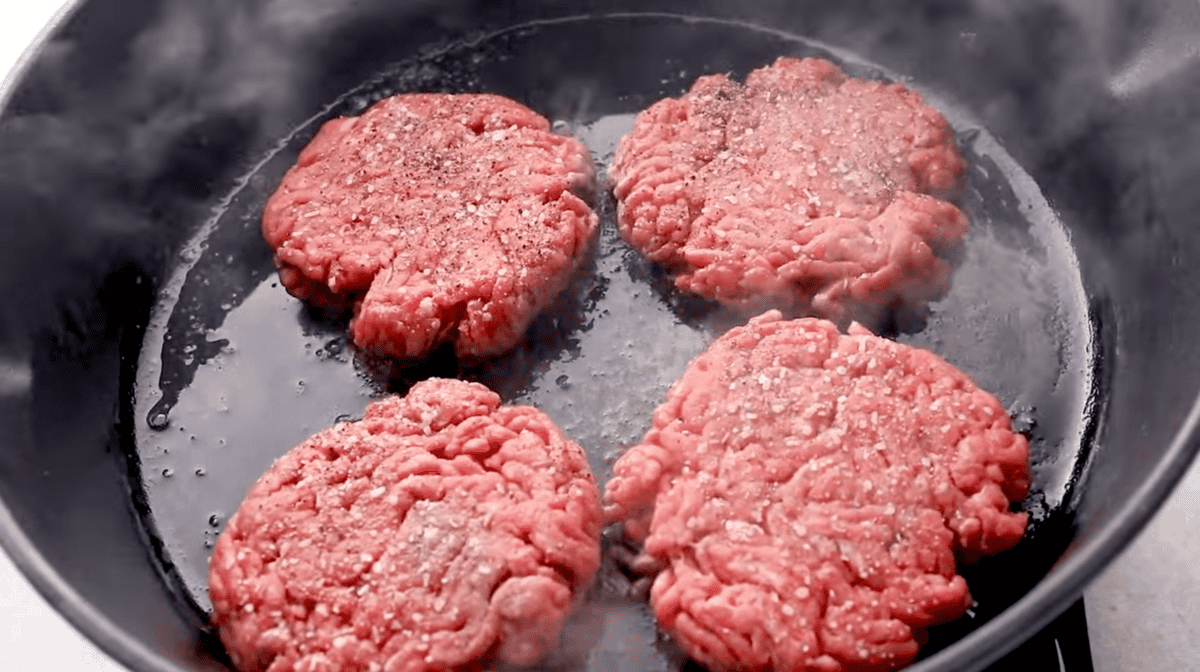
{"points": [[800, 189], [807, 492], [447, 217], [440, 532]]}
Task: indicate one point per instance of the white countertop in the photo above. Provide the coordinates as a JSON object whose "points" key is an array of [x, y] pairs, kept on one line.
{"points": [[1143, 612]]}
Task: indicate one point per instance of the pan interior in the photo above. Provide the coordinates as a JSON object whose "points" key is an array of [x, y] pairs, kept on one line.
{"points": [[234, 372]]}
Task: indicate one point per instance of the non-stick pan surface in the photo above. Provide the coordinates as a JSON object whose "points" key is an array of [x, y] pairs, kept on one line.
{"points": [[165, 340], [234, 372]]}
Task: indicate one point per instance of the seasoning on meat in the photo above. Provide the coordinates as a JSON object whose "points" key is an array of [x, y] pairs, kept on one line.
{"points": [[440, 532], [801, 189], [443, 217], [807, 492]]}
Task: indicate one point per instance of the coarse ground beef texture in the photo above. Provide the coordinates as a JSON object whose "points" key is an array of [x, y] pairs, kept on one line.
{"points": [[440, 532], [800, 189], [444, 217], [807, 491]]}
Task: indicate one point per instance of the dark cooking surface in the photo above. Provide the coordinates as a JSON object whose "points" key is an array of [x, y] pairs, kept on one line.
{"points": [[1062, 646], [234, 371], [139, 114]]}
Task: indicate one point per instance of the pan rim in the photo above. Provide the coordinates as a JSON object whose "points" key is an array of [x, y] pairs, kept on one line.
{"points": [[88, 620], [72, 606], [1049, 598], [8, 80], [1045, 601]]}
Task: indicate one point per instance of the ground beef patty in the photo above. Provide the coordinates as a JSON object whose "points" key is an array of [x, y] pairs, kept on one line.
{"points": [[806, 492], [802, 189], [440, 532], [447, 217]]}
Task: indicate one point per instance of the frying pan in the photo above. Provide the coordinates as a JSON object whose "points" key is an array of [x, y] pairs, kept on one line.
{"points": [[150, 367]]}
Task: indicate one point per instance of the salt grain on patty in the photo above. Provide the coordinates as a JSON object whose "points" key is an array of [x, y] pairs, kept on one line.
{"points": [[807, 493], [441, 217], [801, 189], [441, 532]]}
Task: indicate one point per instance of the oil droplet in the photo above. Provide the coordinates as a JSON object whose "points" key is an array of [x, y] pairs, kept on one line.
{"points": [[334, 347], [168, 472], [158, 421], [1024, 418], [208, 543], [214, 520]]}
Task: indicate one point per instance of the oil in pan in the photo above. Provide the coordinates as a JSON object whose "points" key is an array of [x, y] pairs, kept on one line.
{"points": [[234, 372]]}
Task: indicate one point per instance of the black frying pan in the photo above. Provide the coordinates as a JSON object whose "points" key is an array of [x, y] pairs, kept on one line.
{"points": [[157, 368]]}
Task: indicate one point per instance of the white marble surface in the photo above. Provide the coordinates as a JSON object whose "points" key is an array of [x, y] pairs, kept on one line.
{"points": [[1143, 612]]}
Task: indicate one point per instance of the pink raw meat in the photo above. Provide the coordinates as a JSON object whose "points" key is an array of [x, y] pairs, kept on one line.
{"points": [[800, 189], [440, 532], [807, 492], [445, 217]]}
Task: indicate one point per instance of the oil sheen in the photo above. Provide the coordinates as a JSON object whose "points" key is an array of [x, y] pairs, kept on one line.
{"points": [[234, 372]]}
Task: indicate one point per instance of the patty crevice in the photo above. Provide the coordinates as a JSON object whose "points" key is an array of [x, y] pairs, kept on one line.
{"points": [[801, 189], [440, 532], [438, 218], [810, 494]]}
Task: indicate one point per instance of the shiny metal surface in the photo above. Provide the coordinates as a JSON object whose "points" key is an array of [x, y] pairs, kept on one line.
{"points": [[1143, 611]]}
